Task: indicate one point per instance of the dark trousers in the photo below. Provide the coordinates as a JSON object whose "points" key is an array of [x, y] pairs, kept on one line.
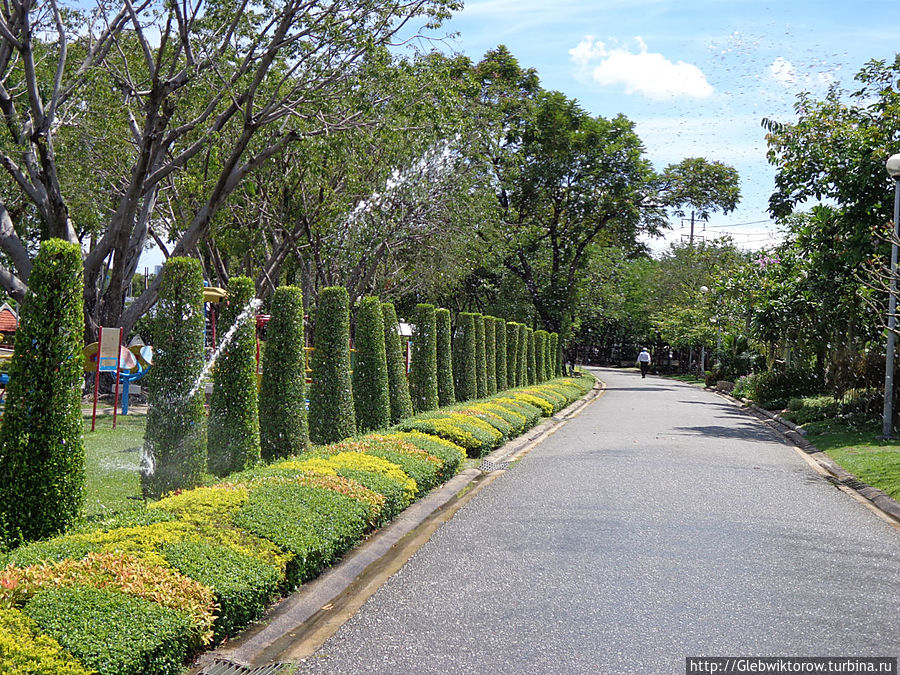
{"points": [[644, 368]]}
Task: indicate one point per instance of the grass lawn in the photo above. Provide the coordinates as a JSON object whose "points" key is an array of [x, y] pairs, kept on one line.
{"points": [[857, 449], [112, 461], [690, 379]]}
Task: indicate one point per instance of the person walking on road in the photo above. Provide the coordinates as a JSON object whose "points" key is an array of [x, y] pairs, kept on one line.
{"points": [[644, 361]]}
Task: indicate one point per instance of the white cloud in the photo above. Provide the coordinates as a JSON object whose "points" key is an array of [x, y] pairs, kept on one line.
{"points": [[647, 73], [783, 71]]}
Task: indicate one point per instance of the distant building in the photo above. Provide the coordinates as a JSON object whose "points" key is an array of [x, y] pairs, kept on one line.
{"points": [[9, 323]]}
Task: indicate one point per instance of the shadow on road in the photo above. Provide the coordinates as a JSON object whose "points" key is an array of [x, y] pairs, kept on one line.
{"points": [[650, 388], [743, 432]]}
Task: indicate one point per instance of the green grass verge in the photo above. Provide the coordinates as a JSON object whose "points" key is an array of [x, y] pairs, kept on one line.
{"points": [[112, 464], [857, 449]]}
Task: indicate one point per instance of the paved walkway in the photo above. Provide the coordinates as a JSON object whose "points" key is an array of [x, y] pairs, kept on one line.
{"points": [[662, 522]]}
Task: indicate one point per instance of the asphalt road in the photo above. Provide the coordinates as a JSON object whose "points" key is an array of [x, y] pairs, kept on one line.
{"points": [[660, 523]]}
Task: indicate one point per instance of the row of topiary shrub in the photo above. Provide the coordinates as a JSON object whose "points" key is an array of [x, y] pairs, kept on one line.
{"points": [[180, 445], [143, 593]]}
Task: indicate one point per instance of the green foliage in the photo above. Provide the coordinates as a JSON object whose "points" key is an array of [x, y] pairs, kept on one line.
{"points": [[531, 372], [282, 395], [540, 355], [464, 368], [423, 378], [401, 403], [490, 354], [331, 411], [522, 358], [500, 353], [41, 449], [512, 355], [24, 650], [554, 365], [449, 453], [243, 585], [774, 389], [175, 438], [446, 388], [480, 358], [531, 413], [112, 633], [233, 431], [371, 390], [316, 525]]}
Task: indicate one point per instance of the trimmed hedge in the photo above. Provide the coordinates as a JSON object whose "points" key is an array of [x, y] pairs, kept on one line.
{"points": [[541, 338], [401, 403], [315, 525], [554, 356], [512, 355], [464, 368], [500, 353], [371, 390], [237, 544], [282, 396], [522, 358], [24, 650], [233, 424], [113, 633], [480, 358], [531, 372], [423, 378], [175, 436], [331, 413], [490, 354], [446, 388], [41, 448]]}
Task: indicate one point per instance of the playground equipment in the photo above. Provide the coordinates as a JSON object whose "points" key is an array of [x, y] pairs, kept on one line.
{"points": [[134, 363]]}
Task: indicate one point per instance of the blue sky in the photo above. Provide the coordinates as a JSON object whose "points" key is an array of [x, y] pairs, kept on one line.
{"points": [[696, 77]]}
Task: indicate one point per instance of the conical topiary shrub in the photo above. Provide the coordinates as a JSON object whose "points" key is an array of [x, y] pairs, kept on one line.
{"points": [[282, 396], [512, 354], [331, 414], [464, 357], [490, 355], [522, 358], [500, 338], [480, 360], [446, 389], [233, 431], [540, 355], [41, 450], [554, 355], [531, 373], [371, 392], [175, 437], [423, 385], [401, 403]]}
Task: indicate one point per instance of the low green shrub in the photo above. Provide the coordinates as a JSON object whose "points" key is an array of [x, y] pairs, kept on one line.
{"points": [[317, 525], [24, 650], [531, 413], [424, 468], [451, 454], [774, 389], [554, 398], [243, 585], [516, 421], [113, 633], [545, 406]]}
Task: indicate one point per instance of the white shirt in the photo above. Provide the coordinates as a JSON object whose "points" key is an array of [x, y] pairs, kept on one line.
{"points": [[644, 357]]}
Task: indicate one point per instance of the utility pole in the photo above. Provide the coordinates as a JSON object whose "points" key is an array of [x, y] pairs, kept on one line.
{"points": [[691, 243]]}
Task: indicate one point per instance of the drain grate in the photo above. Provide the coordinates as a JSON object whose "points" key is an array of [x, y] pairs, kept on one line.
{"points": [[223, 667], [488, 466]]}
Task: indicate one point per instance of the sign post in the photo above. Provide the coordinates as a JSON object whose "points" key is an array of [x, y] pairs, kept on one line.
{"points": [[109, 347]]}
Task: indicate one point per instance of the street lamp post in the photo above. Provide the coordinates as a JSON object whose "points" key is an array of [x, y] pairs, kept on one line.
{"points": [[887, 426]]}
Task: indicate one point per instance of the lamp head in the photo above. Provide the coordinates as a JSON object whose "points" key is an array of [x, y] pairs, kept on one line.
{"points": [[893, 166]]}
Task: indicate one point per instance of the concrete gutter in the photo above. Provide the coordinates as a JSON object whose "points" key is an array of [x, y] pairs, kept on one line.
{"points": [[296, 626]]}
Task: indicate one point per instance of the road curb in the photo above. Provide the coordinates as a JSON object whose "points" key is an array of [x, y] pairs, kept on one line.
{"points": [[263, 641], [876, 499]]}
